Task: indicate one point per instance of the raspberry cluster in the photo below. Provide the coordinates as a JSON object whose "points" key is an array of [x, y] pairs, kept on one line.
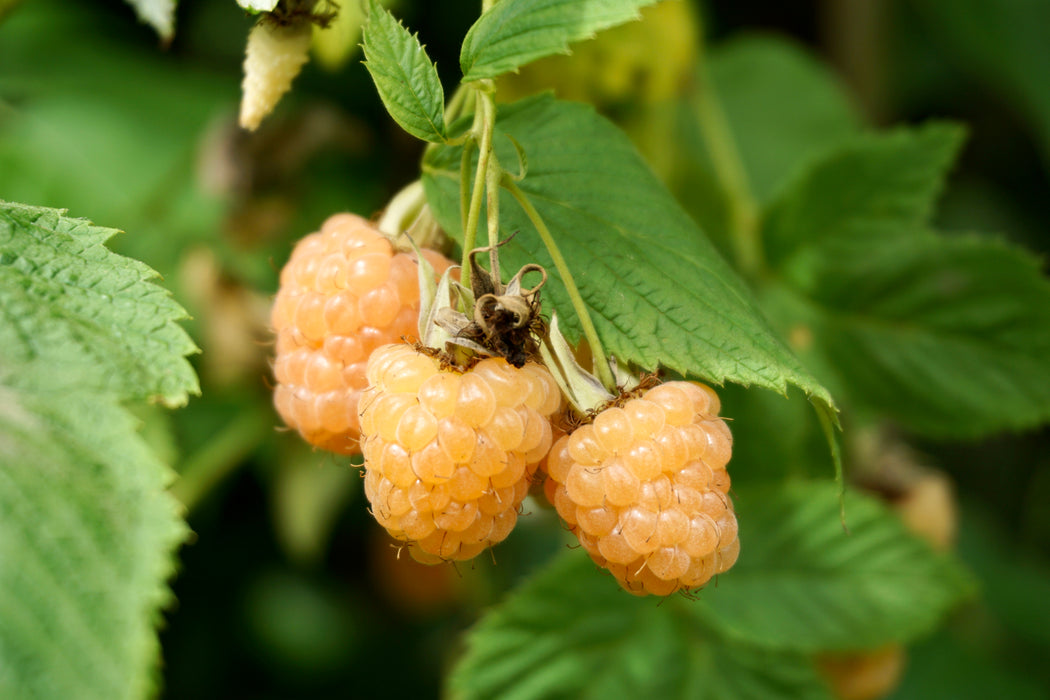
{"points": [[449, 453], [344, 292], [450, 450], [645, 489]]}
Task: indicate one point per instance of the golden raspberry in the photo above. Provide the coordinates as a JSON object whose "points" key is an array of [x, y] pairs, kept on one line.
{"points": [[344, 292], [449, 454], [645, 489]]}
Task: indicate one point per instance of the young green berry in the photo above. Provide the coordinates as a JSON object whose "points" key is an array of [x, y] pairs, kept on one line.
{"points": [[645, 489], [449, 454], [344, 292]]}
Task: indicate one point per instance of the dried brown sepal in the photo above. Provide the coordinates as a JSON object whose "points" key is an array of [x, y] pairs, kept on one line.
{"points": [[506, 319]]}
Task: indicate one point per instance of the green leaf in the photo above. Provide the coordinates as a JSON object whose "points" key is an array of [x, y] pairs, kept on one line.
{"points": [[87, 535], [406, 79], [159, 14], [948, 335], [890, 180], [87, 528], [782, 109], [783, 106], [659, 294], [803, 583], [918, 326], [75, 315], [571, 632], [516, 32], [968, 658]]}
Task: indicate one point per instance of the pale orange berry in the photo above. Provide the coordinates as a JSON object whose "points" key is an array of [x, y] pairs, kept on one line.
{"points": [[343, 293], [644, 488], [472, 439]]}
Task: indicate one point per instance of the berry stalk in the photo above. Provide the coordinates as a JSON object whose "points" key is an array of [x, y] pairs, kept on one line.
{"points": [[484, 123], [601, 362], [492, 181]]}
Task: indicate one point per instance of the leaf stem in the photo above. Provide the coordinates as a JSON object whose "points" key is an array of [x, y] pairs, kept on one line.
{"points": [[601, 362], [729, 169]]}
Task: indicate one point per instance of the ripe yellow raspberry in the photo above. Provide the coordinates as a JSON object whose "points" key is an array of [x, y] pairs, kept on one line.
{"points": [[344, 292], [645, 489], [448, 453]]}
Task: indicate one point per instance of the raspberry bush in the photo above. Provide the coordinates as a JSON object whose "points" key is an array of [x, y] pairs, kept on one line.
{"points": [[491, 299]]}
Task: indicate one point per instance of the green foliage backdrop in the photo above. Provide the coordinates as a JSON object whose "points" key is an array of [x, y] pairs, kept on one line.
{"points": [[748, 226]]}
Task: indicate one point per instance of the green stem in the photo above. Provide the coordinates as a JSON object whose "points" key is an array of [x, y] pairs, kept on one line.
{"points": [[219, 457], [484, 123], [492, 209], [464, 193], [601, 363], [492, 181], [729, 168]]}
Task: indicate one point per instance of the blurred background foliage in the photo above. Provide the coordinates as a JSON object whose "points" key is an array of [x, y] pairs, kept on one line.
{"points": [[289, 589]]}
